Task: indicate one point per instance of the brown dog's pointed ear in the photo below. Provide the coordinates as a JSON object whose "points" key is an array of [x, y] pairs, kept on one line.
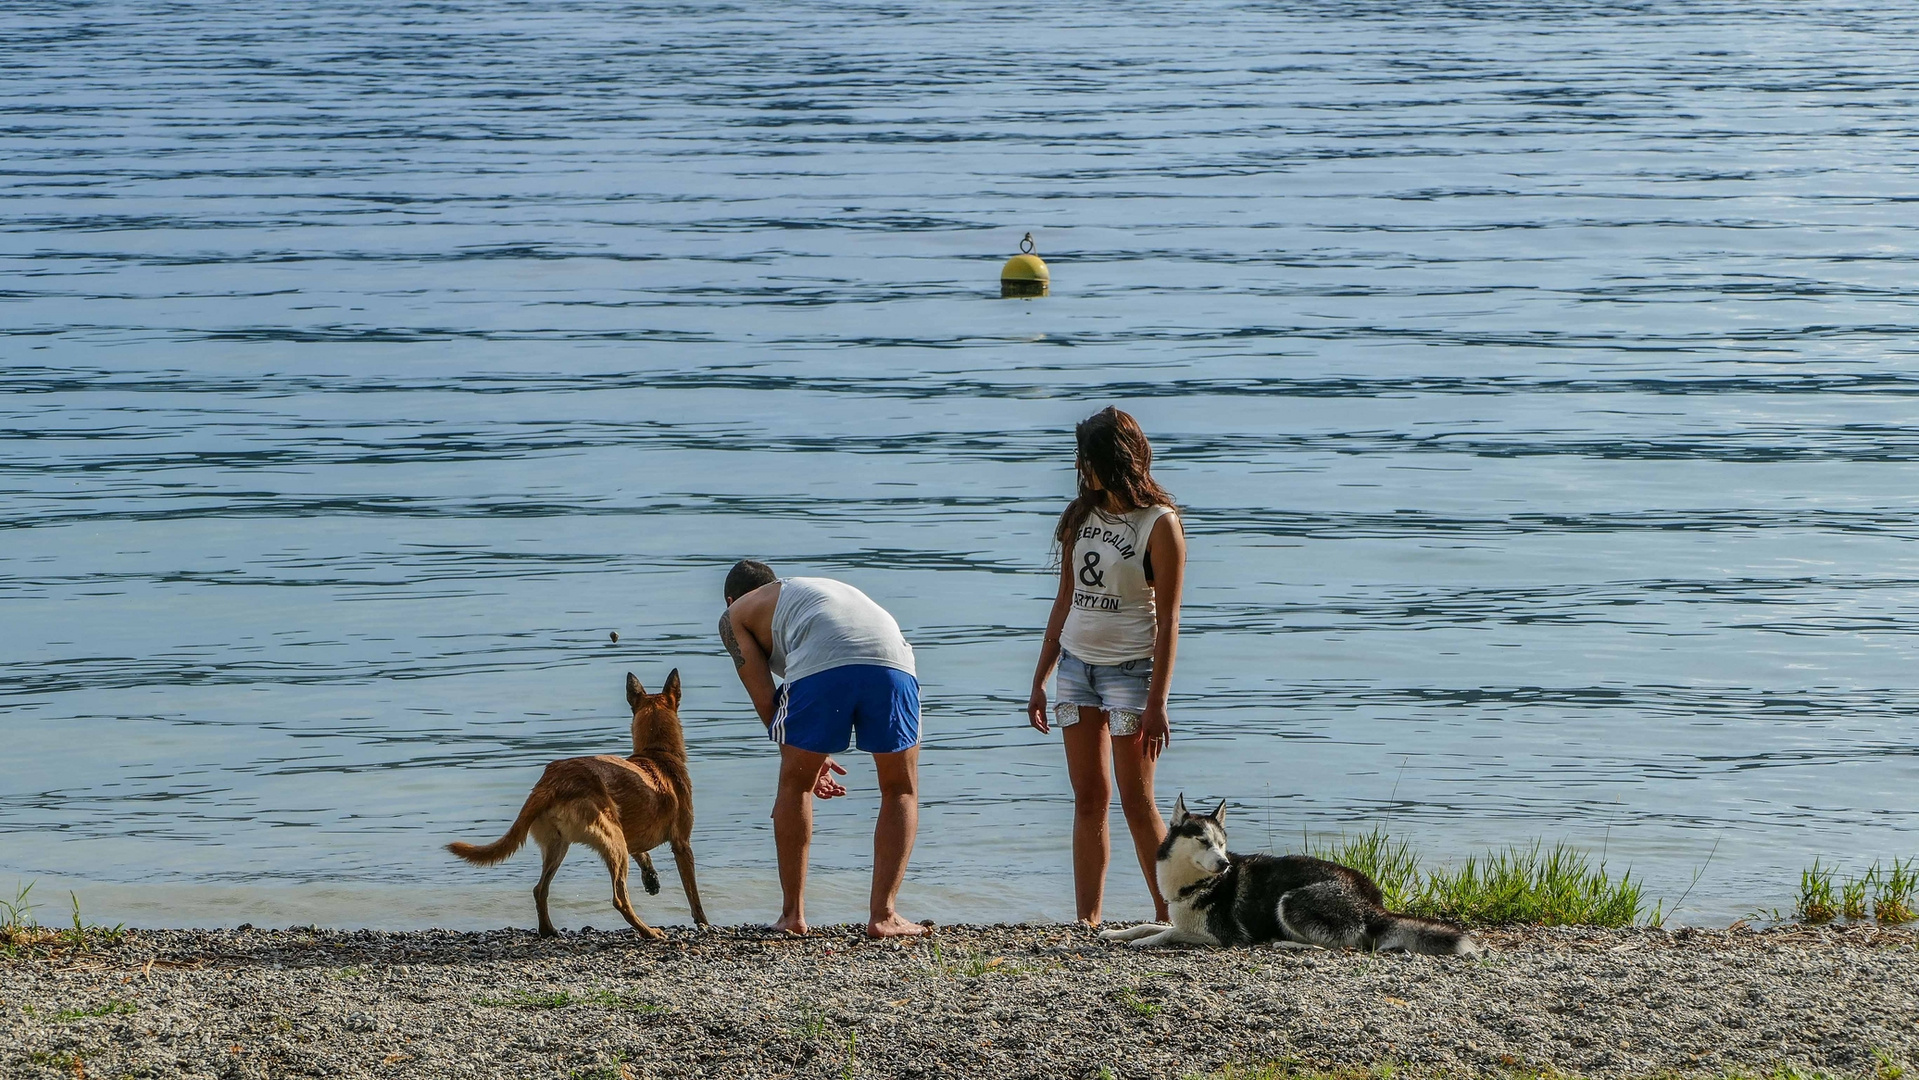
{"points": [[1219, 815], [1179, 809], [672, 687], [635, 693]]}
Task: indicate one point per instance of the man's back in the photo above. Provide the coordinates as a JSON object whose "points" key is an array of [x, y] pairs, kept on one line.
{"points": [[819, 624]]}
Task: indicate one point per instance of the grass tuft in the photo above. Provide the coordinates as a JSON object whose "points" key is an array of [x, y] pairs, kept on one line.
{"points": [[1130, 998], [527, 999], [112, 1007], [1824, 895], [1894, 889], [1816, 903], [18, 929], [21, 933], [811, 1024], [1852, 897], [975, 963], [1534, 885], [616, 1069]]}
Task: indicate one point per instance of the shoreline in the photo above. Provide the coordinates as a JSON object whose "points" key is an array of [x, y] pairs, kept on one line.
{"points": [[1000, 1001]]}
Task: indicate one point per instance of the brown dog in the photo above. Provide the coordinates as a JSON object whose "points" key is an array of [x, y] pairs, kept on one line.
{"points": [[616, 806]]}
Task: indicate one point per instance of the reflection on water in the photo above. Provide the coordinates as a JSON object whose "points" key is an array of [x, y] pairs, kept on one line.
{"points": [[1537, 377]]}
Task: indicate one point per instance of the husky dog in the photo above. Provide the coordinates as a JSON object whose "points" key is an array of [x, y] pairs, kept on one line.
{"points": [[1218, 898], [621, 807]]}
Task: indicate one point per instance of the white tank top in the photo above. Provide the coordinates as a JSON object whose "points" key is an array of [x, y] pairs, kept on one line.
{"points": [[1112, 617], [819, 623]]}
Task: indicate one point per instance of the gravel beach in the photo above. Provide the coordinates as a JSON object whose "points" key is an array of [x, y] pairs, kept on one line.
{"points": [[971, 1001]]}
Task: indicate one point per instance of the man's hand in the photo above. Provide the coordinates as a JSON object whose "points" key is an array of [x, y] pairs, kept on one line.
{"points": [[1154, 732], [824, 786], [1036, 710]]}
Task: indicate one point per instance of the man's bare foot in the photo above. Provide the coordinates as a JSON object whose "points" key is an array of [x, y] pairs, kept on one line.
{"points": [[894, 926], [792, 924]]}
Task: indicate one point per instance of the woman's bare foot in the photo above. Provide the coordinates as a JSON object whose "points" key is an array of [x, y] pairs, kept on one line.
{"points": [[894, 926], [792, 924]]}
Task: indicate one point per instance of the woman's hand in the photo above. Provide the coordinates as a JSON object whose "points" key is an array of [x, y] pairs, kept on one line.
{"points": [[1036, 710], [824, 786], [1154, 731]]}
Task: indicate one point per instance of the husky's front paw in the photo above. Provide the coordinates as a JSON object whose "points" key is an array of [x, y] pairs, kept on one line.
{"points": [[1133, 933]]}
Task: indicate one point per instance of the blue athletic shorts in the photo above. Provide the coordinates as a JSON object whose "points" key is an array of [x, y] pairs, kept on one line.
{"points": [[824, 711]]}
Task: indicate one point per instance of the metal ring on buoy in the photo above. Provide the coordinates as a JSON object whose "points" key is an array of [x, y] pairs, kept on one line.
{"points": [[1024, 274]]}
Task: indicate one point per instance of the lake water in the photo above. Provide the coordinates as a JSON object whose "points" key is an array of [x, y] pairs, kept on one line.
{"points": [[1537, 378]]}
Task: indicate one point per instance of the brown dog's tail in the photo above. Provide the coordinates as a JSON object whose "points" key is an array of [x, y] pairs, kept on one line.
{"points": [[505, 846]]}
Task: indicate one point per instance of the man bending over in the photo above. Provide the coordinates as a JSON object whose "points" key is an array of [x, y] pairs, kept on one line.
{"points": [[849, 678]]}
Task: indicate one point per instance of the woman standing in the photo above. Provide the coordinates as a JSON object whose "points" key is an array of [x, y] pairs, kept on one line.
{"points": [[1113, 634]]}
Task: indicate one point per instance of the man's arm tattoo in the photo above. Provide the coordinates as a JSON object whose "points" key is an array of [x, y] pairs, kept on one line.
{"points": [[732, 643]]}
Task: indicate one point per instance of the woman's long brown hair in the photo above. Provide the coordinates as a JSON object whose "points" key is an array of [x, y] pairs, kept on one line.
{"points": [[1113, 446]]}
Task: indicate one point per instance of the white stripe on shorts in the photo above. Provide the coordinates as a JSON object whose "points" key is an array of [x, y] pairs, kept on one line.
{"points": [[777, 729]]}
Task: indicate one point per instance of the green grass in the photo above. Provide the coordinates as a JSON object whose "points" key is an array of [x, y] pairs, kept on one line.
{"points": [[974, 963], [18, 930], [1130, 998], [1534, 885], [112, 1007], [21, 933], [526, 999], [811, 1025], [1825, 895], [1894, 890], [616, 1069], [1816, 902]]}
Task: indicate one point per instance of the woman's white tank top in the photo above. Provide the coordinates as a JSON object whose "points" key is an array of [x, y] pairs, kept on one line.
{"points": [[1112, 617]]}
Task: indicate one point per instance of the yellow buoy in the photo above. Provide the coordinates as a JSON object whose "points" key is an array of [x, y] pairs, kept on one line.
{"points": [[1024, 274]]}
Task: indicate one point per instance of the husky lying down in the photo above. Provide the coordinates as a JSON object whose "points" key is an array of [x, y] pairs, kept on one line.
{"points": [[1218, 898]]}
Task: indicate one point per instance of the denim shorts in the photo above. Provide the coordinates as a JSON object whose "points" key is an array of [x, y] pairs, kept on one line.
{"points": [[1119, 689]]}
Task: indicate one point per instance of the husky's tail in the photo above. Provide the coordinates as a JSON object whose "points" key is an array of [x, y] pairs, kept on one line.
{"points": [[1416, 935], [536, 804]]}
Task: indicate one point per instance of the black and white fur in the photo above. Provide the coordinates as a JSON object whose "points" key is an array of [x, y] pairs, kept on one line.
{"points": [[1218, 898]]}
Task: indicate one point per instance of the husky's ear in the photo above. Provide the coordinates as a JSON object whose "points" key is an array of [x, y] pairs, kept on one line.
{"points": [[1219, 815], [672, 687], [1179, 809], [635, 693]]}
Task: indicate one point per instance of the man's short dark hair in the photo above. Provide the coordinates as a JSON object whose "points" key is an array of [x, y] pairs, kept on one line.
{"points": [[747, 575]]}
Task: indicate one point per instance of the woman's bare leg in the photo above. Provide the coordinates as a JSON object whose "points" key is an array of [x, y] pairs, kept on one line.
{"points": [[1133, 775], [1087, 748]]}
